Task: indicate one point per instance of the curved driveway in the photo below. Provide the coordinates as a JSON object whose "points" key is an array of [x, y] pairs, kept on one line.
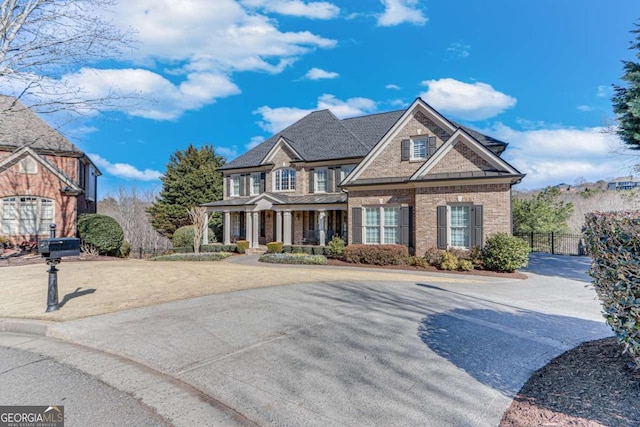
{"points": [[358, 353]]}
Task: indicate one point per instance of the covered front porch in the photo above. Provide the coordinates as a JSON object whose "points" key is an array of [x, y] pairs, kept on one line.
{"points": [[293, 220]]}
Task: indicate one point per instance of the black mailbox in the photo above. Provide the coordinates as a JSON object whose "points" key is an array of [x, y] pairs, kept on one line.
{"points": [[56, 248]]}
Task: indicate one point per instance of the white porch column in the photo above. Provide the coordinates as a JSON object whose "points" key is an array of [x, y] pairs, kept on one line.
{"points": [[321, 228], [226, 228], [255, 239], [205, 232], [278, 226], [249, 228], [287, 228]]}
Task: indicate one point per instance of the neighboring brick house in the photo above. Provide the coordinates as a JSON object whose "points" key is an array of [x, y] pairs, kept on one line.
{"points": [[410, 177], [44, 178]]}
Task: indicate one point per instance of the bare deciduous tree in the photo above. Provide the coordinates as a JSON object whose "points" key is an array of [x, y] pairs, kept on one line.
{"points": [[42, 40], [198, 217]]}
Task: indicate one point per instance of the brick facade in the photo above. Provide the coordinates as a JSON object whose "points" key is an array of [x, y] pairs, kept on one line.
{"points": [[461, 158]]}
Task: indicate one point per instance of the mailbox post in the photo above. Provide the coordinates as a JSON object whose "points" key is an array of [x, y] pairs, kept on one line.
{"points": [[53, 249]]}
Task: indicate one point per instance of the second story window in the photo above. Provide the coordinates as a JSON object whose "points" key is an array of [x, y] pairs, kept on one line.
{"points": [[345, 171], [255, 183], [234, 185], [418, 149], [284, 180], [321, 180]]}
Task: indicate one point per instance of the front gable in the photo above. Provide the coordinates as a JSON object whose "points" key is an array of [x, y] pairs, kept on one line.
{"points": [[385, 160], [282, 154], [45, 168], [463, 154]]}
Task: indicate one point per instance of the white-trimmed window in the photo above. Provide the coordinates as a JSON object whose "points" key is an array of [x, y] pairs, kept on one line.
{"points": [[419, 149], [284, 179], [26, 215], [381, 225], [234, 185], [459, 226], [345, 171], [235, 224], [320, 180], [28, 165], [255, 183]]}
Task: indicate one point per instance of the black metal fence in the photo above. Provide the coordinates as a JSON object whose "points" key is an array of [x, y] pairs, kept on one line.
{"points": [[554, 243]]}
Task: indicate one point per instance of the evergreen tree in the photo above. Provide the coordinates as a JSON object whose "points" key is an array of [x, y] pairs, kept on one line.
{"points": [[191, 179], [626, 99], [544, 213]]}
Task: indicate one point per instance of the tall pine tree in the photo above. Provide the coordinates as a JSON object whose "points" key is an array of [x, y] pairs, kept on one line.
{"points": [[626, 99], [191, 179]]}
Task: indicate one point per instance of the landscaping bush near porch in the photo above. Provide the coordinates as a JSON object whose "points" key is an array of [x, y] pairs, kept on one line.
{"points": [[376, 254], [294, 259], [211, 256], [613, 240]]}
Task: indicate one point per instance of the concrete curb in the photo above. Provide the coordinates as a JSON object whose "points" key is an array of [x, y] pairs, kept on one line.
{"points": [[178, 402]]}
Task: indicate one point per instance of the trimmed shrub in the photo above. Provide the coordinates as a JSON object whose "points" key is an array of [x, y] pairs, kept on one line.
{"points": [[477, 257], [125, 249], [287, 249], [242, 246], [209, 256], [307, 250], [274, 247], [296, 249], [229, 248], [318, 250], [433, 256], [294, 259], [613, 240], [376, 254], [505, 253], [465, 265], [417, 261], [101, 232], [449, 261], [460, 253], [183, 250], [335, 247]]}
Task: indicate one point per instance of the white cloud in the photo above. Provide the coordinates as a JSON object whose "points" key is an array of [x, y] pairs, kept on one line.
{"points": [[585, 108], [553, 156], [255, 141], [397, 12], [459, 49], [318, 73], [124, 170], [313, 9], [467, 101], [603, 91], [399, 103], [276, 119], [229, 152], [392, 86]]}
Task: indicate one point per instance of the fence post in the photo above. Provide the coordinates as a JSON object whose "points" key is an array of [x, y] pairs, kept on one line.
{"points": [[531, 240], [553, 244], [140, 251]]}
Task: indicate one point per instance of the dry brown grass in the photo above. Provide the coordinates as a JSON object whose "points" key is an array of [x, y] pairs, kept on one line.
{"points": [[126, 284]]}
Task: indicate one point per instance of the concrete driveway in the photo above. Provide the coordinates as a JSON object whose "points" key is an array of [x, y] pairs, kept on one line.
{"points": [[357, 353]]}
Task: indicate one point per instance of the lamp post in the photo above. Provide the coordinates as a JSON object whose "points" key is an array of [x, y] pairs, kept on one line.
{"points": [[52, 292]]}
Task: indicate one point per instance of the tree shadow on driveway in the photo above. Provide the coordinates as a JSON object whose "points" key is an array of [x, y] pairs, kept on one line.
{"points": [[502, 349], [565, 266]]}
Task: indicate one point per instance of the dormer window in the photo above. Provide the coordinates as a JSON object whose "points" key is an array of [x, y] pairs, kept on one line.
{"points": [[418, 148], [284, 179]]}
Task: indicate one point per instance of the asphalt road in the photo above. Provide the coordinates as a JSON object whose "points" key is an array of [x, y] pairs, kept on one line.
{"points": [[28, 378]]}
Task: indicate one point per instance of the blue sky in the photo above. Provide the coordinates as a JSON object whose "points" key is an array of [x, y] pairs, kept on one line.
{"points": [[536, 74]]}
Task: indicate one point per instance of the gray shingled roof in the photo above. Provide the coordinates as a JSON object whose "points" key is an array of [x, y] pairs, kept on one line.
{"points": [[19, 127], [322, 136]]}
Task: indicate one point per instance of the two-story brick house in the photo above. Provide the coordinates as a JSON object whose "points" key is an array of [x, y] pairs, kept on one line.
{"points": [[44, 178], [409, 177]]}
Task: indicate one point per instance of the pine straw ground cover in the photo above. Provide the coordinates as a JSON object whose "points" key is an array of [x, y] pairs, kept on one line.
{"points": [[592, 385]]}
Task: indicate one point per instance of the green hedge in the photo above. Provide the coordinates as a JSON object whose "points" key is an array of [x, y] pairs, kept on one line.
{"points": [[102, 232], [505, 253], [274, 247], [376, 254], [613, 240], [211, 256], [207, 249], [294, 259]]}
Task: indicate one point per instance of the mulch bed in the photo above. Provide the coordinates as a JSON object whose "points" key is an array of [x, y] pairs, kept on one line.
{"points": [[516, 275], [591, 385]]}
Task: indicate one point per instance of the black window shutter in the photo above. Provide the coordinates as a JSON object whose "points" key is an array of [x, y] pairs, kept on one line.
{"points": [[442, 227], [431, 146], [247, 185], [311, 177], [405, 226], [243, 185], [476, 231], [263, 178], [406, 149], [356, 226], [331, 182], [228, 179]]}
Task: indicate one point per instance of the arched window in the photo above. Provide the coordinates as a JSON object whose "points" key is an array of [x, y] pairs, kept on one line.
{"points": [[25, 215], [284, 179]]}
